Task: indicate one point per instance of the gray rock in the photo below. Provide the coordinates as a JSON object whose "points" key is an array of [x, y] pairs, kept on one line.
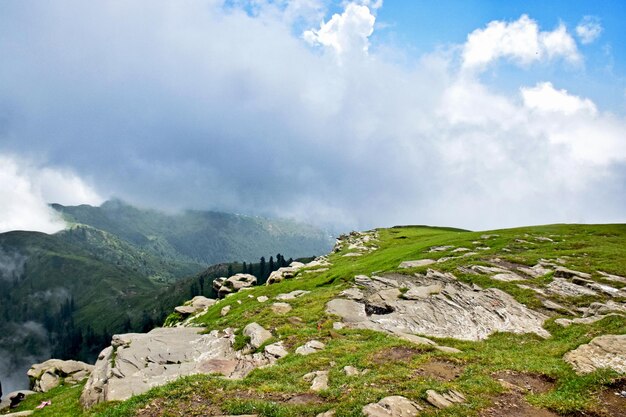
{"points": [[349, 311], [458, 311], [329, 413], [534, 271], [507, 277], [283, 273], [581, 320], [444, 400], [312, 346], [418, 293], [136, 362], [257, 334], [233, 284], [352, 294], [185, 310], [262, 299], [608, 351], [562, 272], [394, 406], [48, 375], [6, 403], [440, 248], [611, 277], [318, 379], [351, 371], [292, 295], [419, 262], [19, 414], [563, 287], [225, 310], [201, 302], [277, 350], [281, 308]]}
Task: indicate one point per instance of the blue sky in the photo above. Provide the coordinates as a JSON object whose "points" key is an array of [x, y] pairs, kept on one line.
{"points": [[351, 114]]}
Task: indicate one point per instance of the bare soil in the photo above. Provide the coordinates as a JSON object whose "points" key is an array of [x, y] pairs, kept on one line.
{"points": [[512, 403], [396, 354], [440, 370]]}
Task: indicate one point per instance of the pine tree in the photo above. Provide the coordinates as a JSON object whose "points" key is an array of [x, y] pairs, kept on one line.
{"points": [[271, 264], [262, 268]]}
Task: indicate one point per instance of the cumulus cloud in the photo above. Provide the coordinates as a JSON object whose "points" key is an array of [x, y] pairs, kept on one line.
{"points": [[27, 189], [589, 29], [178, 107], [345, 33], [544, 97], [520, 41]]}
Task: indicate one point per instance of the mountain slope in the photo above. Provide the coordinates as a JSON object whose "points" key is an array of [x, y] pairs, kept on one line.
{"points": [[201, 237], [503, 373]]}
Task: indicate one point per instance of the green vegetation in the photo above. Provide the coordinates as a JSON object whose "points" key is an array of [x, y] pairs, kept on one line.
{"points": [[397, 367]]}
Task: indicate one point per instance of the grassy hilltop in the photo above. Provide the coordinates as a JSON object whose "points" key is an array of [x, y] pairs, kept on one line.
{"points": [[397, 367]]}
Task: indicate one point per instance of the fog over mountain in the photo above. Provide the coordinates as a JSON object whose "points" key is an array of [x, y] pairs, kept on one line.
{"points": [[333, 123]]}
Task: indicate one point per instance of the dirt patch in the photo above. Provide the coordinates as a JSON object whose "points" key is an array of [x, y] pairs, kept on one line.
{"points": [[194, 406], [613, 399], [305, 399], [525, 382], [513, 403], [396, 354], [440, 370]]}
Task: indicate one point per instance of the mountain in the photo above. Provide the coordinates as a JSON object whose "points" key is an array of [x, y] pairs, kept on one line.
{"points": [[432, 321], [200, 237], [117, 268]]}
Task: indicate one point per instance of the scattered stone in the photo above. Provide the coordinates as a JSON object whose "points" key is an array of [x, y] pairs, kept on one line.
{"points": [[482, 248], [352, 293], [277, 349], [607, 289], [312, 346], [551, 305], [534, 271], [543, 239], [444, 400], [351, 371], [457, 250], [561, 286], [611, 277], [562, 272], [225, 286], [225, 310], [415, 264], [185, 310], [350, 311], [507, 277], [489, 270], [440, 248], [394, 406], [610, 306], [319, 380], [292, 295], [262, 299], [608, 351], [352, 254], [281, 308], [257, 334], [146, 360], [329, 413], [281, 274], [48, 375], [489, 236]]}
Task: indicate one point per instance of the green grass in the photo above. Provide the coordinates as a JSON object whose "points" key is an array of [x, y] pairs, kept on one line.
{"points": [[264, 391]]}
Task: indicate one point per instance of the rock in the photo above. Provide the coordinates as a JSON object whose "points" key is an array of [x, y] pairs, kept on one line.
{"points": [[19, 414], [457, 311], [583, 320], [48, 375], [352, 293], [312, 346], [329, 413], [349, 311], [607, 289], [418, 293], [351, 371], [6, 403], [185, 310], [608, 351], [489, 270], [551, 305], [257, 334], [225, 310], [394, 406], [352, 254], [562, 272], [507, 277], [262, 299], [610, 306], [277, 350], [146, 360], [232, 284], [611, 277], [444, 400], [414, 264], [292, 295], [565, 288], [319, 380], [217, 283], [457, 250], [200, 302], [534, 271], [281, 308], [440, 248], [283, 273], [543, 239]]}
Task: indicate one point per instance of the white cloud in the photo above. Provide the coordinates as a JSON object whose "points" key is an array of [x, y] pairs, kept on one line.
{"points": [[589, 29], [345, 33], [27, 189], [520, 41], [544, 97]]}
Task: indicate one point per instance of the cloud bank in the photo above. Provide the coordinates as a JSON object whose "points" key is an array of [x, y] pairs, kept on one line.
{"points": [[228, 106]]}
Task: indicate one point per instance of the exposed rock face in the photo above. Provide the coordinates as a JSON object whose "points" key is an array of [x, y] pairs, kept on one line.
{"points": [[362, 242], [561, 286], [457, 310], [225, 286], [47, 375], [608, 351], [394, 406], [136, 362]]}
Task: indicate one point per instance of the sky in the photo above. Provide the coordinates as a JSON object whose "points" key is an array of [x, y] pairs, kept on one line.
{"points": [[344, 114]]}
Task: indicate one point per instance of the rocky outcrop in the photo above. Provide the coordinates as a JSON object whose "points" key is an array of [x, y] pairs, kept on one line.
{"points": [[49, 374], [287, 272], [224, 286], [136, 362], [196, 305], [394, 406], [361, 242], [608, 351], [457, 310]]}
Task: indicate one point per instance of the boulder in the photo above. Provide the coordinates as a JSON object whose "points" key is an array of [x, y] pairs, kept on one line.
{"points": [[394, 406], [312, 346], [277, 350], [608, 351], [257, 334], [457, 311], [136, 362], [262, 299], [232, 284], [283, 273], [281, 308], [48, 375], [318, 379]]}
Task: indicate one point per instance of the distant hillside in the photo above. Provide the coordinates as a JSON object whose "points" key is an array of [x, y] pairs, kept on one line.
{"points": [[200, 237]]}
